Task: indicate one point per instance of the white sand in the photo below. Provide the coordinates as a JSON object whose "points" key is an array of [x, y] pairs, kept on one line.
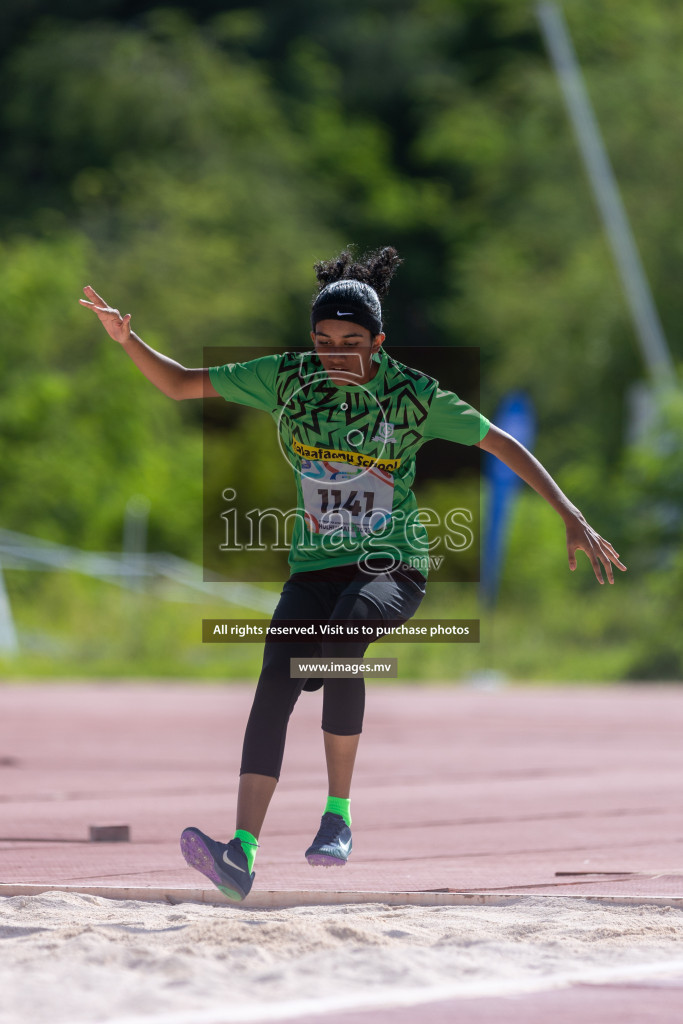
{"points": [[69, 958]]}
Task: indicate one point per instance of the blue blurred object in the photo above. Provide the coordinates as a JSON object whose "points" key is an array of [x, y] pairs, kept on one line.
{"points": [[516, 416]]}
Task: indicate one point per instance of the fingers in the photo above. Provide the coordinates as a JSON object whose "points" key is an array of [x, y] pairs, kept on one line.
{"points": [[608, 557], [608, 548], [589, 550], [116, 325], [608, 569], [98, 309], [596, 567], [92, 294], [105, 309], [614, 556], [600, 553]]}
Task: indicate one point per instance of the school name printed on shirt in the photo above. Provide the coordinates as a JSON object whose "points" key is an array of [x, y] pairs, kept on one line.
{"points": [[340, 455]]}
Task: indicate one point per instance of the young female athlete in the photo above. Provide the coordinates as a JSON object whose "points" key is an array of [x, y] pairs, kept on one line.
{"points": [[350, 420]]}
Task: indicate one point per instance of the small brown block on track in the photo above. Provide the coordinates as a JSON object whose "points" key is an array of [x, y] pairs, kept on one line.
{"points": [[109, 834]]}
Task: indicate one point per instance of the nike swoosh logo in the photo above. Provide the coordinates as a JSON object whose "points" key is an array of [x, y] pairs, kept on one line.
{"points": [[230, 863], [344, 314], [345, 846]]}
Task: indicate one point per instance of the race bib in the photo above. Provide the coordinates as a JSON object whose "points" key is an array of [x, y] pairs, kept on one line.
{"points": [[347, 499]]}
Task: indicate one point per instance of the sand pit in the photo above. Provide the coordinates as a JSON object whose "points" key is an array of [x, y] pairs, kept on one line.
{"points": [[70, 958]]}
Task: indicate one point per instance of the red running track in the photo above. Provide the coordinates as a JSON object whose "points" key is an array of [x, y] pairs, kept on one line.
{"points": [[520, 790]]}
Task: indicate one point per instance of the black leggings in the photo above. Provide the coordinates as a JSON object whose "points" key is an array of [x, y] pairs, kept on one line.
{"points": [[340, 595]]}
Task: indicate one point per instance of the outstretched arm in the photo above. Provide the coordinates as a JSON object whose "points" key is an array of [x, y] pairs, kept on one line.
{"points": [[174, 380], [580, 535]]}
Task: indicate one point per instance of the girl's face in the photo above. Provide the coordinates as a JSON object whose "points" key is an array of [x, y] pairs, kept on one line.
{"points": [[346, 350]]}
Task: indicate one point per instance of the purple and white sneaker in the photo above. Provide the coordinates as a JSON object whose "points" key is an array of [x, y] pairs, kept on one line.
{"points": [[224, 864], [332, 845]]}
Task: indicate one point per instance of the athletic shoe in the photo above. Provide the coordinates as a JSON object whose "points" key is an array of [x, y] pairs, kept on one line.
{"points": [[332, 845], [225, 864]]}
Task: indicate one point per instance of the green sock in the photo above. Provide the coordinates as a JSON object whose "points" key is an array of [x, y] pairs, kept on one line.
{"points": [[338, 805], [249, 845]]}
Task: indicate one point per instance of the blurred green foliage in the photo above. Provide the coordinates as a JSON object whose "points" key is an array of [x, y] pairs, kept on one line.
{"points": [[191, 163]]}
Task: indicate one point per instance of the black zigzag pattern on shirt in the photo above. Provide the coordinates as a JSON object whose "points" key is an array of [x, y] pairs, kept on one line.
{"points": [[305, 389], [311, 402], [406, 397]]}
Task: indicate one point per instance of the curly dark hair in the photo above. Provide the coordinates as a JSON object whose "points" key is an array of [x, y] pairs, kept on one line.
{"points": [[374, 268]]}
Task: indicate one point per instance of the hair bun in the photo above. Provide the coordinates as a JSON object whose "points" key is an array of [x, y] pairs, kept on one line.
{"points": [[375, 268]]}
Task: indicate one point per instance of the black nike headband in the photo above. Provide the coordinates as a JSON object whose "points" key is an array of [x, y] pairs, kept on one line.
{"points": [[353, 313], [349, 300]]}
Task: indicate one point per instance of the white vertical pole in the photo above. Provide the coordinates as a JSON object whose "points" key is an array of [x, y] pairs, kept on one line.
{"points": [[9, 643], [651, 338]]}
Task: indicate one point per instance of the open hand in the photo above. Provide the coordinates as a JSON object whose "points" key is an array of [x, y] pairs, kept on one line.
{"points": [[582, 537], [116, 326]]}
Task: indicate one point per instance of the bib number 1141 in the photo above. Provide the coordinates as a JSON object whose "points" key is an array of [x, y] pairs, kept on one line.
{"points": [[331, 500]]}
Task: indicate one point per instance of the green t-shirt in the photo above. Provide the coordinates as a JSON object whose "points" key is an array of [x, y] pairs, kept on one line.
{"points": [[352, 449]]}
